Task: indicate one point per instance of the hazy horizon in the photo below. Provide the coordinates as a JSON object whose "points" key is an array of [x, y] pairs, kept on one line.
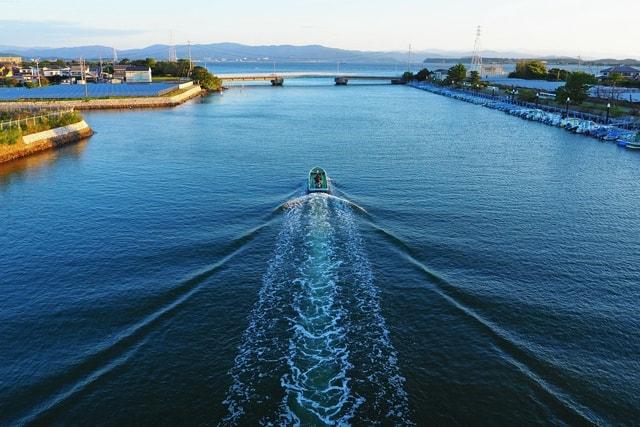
{"points": [[548, 28]]}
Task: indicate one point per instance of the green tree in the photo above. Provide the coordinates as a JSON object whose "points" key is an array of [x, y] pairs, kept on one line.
{"points": [[576, 88], [614, 79], [407, 77], [530, 70], [527, 95], [474, 78], [457, 73], [557, 74], [10, 82], [423, 75], [207, 80]]}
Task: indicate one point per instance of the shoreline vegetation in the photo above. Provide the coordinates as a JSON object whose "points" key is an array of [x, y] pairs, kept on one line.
{"points": [[574, 93], [29, 127], [17, 124], [22, 134]]}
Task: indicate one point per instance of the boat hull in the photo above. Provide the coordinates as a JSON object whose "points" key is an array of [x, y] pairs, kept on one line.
{"points": [[318, 181]]}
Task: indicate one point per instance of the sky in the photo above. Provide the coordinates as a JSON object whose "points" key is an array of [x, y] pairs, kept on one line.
{"points": [[586, 28]]}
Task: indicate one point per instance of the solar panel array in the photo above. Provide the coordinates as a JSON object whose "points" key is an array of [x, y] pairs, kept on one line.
{"points": [[99, 90]]}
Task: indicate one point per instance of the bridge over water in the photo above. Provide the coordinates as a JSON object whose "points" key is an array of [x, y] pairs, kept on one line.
{"points": [[277, 79]]}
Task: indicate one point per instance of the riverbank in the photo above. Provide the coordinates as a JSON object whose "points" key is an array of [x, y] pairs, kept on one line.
{"points": [[579, 123], [182, 96], [45, 140]]}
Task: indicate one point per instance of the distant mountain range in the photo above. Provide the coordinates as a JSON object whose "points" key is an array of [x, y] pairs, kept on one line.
{"points": [[277, 53], [212, 52]]}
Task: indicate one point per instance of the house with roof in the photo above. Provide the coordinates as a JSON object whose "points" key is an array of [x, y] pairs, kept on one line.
{"points": [[625, 71], [79, 71], [132, 73], [440, 74], [138, 74], [24, 74], [51, 71]]}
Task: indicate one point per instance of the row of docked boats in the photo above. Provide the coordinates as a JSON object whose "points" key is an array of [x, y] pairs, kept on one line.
{"points": [[623, 137]]}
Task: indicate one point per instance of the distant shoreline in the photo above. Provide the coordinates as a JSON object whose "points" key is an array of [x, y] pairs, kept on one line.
{"points": [[111, 103]]}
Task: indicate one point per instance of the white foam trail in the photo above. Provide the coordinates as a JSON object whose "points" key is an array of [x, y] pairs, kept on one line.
{"points": [[258, 351], [370, 343], [317, 331], [298, 201], [317, 383]]}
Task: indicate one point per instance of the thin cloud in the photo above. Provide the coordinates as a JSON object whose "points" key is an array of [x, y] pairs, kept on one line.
{"points": [[32, 33]]}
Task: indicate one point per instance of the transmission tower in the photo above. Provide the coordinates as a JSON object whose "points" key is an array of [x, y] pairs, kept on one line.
{"points": [[190, 59], [476, 59], [173, 57]]}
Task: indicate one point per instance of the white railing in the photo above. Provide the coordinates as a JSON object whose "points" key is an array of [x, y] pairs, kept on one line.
{"points": [[15, 123]]}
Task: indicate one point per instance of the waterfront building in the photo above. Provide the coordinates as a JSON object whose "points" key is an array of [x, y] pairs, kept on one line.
{"points": [[440, 74], [492, 70], [132, 73], [625, 71], [119, 72], [138, 74]]}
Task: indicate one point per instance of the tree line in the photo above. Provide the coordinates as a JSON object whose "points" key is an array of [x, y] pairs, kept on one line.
{"points": [[575, 89], [182, 68]]}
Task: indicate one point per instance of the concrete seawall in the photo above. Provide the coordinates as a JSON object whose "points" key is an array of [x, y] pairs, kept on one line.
{"points": [[46, 140], [109, 104]]}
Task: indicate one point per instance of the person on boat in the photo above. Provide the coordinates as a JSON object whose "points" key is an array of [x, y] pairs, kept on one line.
{"points": [[318, 180]]}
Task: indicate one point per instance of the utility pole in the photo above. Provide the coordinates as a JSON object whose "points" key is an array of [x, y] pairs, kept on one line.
{"points": [[37, 61], [173, 57], [84, 77], [190, 61]]}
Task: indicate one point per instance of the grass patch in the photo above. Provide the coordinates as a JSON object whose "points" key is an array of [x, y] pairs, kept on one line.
{"points": [[12, 135]]}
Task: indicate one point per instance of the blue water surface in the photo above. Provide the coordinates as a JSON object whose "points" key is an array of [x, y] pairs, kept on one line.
{"points": [[473, 268]]}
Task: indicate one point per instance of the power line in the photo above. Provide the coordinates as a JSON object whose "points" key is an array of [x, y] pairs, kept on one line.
{"points": [[173, 57], [190, 61], [476, 59]]}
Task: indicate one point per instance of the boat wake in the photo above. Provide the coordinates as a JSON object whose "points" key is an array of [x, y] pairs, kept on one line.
{"points": [[317, 350]]}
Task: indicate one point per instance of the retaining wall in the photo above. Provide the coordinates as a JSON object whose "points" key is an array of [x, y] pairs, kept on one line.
{"points": [[46, 140], [106, 104]]}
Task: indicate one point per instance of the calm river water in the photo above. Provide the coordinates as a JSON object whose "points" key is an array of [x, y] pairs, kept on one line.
{"points": [[473, 268]]}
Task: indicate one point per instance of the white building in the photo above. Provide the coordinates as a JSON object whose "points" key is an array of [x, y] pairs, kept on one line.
{"points": [[51, 71], [132, 73], [440, 74], [78, 71], [138, 74]]}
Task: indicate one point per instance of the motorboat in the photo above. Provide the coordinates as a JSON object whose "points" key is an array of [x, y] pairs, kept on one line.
{"points": [[318, 181]]}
